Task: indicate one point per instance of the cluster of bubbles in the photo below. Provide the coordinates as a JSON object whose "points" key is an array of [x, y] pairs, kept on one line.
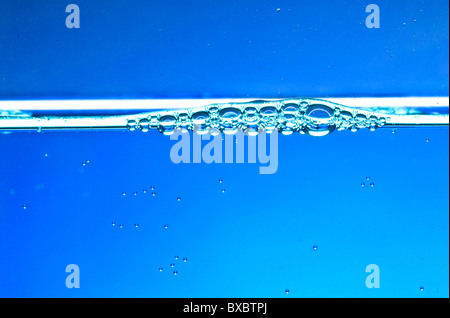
{"points": [[144, 191], [312, 117], [175, 272], [363, 184]]}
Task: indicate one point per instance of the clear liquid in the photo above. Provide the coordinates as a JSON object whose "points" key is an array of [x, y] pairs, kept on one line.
{"points": [[306, 116]]}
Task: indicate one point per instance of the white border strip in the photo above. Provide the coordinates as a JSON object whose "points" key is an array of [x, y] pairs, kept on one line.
{"points": [[148, 104]]}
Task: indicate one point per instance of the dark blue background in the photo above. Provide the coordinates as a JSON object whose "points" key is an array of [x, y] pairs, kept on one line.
{"points": [[179, 49]]}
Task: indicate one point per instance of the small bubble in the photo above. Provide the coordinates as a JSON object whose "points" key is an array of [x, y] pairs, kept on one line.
{"points": [[144, 191], [88, 161], [223, 190], [415, 20], [404, 24], [113, 223], [153, 194], [372, 184], [314, 247], [83, 163], [136, 225], [124, 193], [367, 178], [152, 188], [175, 272], [394, 130], [135, 193], [287, 291], [166, 226], [160, 269], [131, 125], [176, 257], [178, 199], [185, 259], [278, 9], [120, 226], [363, 184], [427, 140], [172, 265], [421, 288], [354, 129], [45, 154], [24, 207], [220, 181], [304, 104]]}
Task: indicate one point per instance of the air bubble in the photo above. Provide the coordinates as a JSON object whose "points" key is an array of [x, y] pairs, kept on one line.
{"points": [[200, 122], [185, 259], [167, 125], [314, 247], [230, 120], [178, 199], [421, 288], [319, 120], [223, 190], [175, 273], [113, 223], [319, 111], [363, 184], [303, 105], [143, 124], [286, 291], [131, 125], [160, 269], [172, 265], [24, 207], [372, 184], [166, 227], [136, 225]]}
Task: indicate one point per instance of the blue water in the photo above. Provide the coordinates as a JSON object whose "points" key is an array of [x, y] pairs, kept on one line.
{"points": [[310, 227]]}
